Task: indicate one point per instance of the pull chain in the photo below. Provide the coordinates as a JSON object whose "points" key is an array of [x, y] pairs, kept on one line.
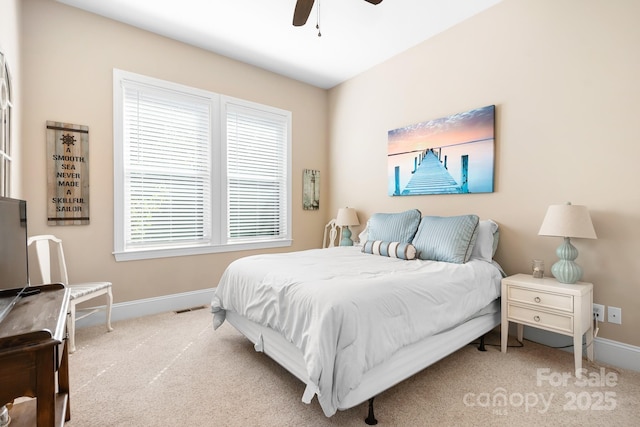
{"points": [[318, 21]]}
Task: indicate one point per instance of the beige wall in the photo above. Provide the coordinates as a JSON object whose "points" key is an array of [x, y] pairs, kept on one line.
{"points": [[565, 79], [68, 58]]}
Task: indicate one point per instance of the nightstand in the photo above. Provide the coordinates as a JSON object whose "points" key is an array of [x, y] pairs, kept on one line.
{"points": [[550, 305]]}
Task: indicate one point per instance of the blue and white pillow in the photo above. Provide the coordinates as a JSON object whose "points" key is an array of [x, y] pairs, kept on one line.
{"points": [[394, 227], [391, 249], [449, 239]]}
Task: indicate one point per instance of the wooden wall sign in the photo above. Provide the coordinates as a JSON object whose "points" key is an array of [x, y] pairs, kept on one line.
{"points": [[67, 174], [311, 190]]}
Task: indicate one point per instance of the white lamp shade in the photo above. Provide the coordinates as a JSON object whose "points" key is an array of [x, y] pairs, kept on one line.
{"points": [[568, 221], [347, 217]]}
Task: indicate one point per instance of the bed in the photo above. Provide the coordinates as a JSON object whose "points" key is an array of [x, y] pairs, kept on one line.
{"points": [[350, 322]]}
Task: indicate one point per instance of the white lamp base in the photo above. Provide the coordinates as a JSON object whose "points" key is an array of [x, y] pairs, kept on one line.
{"points": [[565, 270]]}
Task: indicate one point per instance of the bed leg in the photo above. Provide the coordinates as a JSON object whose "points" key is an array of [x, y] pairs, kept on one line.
{"points": [[371, 419], [481, 345]]}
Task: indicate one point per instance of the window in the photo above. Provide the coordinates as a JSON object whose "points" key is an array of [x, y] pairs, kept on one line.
{"points": [[196, 172], [5, 127]]}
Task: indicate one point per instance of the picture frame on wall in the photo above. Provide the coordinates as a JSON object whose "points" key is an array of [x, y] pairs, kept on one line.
{"points": [[449, 155], [311, 190]]}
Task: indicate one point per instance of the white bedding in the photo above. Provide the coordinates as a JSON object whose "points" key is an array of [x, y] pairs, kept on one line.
{"points": [[347, 311]]}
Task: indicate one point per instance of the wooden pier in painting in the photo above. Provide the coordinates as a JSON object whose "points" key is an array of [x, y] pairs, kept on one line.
{"points": [[431, 176]]}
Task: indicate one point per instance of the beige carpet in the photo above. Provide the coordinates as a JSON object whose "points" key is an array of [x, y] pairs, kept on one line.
{"points": [[175, 370]]}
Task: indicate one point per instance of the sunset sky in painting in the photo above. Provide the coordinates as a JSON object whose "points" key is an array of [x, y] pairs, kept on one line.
{"points": [[473, 125]]}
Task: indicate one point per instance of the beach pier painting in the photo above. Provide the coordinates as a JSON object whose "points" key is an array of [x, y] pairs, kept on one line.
{"points": [[450, 155]]}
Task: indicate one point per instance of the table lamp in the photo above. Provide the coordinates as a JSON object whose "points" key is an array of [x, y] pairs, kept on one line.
{"points": [[346, 217], [567, 221]]}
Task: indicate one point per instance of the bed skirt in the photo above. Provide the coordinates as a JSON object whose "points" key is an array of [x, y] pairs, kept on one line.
{"points": [[403, 364]]}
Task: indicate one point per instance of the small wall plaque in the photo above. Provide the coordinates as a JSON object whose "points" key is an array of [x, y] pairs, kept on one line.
{"points": [[311, 190], [67, 174]]}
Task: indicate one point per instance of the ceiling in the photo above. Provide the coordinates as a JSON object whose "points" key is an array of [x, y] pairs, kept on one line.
{"points": [[356, 35]]}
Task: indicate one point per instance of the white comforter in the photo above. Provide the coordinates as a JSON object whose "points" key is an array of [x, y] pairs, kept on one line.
{"points": [[348, 311]]}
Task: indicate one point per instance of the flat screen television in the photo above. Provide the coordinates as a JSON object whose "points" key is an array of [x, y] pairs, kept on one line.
{"points": [[14, 268]]}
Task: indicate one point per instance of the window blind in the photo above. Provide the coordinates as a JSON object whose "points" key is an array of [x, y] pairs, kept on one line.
{"points": [[256, 173], [197, 172], [167, 167]]}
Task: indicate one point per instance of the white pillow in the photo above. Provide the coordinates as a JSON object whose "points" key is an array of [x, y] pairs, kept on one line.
{"points": [[486, 242], [363, 236]]}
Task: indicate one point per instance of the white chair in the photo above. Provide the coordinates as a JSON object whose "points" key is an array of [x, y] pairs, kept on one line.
{"points": [[50, 257], [331, 234]]}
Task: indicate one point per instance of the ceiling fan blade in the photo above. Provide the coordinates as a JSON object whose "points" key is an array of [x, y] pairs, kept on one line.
{"points": [[302, 11], [374, 1]]}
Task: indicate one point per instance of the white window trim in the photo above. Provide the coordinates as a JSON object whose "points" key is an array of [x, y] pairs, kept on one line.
{"points": [[6, 128], [218, 196]]}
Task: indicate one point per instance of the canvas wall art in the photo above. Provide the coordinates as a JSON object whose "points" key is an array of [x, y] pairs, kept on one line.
{"points": [[450, 155]]}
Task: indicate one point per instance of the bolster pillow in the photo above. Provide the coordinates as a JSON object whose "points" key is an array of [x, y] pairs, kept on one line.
{"points": [[391, 249]]}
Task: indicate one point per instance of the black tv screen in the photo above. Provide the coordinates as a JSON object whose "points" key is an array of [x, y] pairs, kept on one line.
{"points": [[14, 268]]}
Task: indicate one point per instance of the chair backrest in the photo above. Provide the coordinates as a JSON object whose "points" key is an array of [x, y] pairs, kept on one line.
{"points": [[50, 257], [331, 234]]}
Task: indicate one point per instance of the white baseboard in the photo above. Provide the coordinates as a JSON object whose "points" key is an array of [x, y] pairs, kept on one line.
{"points": [[149, 306], [605, 351]]}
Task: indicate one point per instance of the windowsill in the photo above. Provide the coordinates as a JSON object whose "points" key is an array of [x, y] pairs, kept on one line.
{"points": [[134, 255]]}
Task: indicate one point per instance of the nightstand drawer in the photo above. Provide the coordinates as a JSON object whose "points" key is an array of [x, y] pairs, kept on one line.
{"points": [[543, 299], [540, 319]]}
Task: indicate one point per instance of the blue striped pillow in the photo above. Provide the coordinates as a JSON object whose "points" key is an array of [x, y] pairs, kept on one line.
{"points": [[448, 239], [391, 249], [394, 227]]}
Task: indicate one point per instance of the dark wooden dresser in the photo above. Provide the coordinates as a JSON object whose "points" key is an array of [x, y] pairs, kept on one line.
{"points": [[34, 359]]}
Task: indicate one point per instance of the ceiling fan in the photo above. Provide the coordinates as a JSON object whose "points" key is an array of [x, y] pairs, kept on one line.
{"points": [[303, 9]]}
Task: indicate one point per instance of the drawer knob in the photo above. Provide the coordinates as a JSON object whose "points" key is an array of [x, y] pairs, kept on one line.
{"points": [[537, 299], [536, 318]]}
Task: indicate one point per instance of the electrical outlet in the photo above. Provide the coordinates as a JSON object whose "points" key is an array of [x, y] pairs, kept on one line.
{"points": [[598, 312], [615, 315]]}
